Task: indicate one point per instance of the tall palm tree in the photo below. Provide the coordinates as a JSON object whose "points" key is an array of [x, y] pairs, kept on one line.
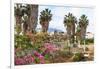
{"points": [[83, 23], [45, 18], [69, 23]]}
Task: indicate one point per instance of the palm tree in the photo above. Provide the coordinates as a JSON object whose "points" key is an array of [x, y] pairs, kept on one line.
{"points": [[83, 23], [45, 18], [69, 23], [78, 35]]}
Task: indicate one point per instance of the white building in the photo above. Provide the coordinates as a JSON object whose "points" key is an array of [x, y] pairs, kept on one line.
{"points": [[89, 35]]}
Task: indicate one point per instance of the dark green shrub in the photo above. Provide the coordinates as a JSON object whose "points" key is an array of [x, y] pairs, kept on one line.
{"points": [[87, 41], [78, 57]]}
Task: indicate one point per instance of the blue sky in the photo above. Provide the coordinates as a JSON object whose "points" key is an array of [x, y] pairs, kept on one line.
{"points": [[60, 11]]}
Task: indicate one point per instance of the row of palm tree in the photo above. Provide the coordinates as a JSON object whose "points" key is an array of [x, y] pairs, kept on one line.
{"points": [[28, 15], [70, 23]]}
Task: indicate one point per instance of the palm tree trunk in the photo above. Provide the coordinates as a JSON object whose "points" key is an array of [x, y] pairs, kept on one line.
{"points": [[73, 33], [25, 27], [68, 33], [69, 38], [33, 17], [45, 25], [18, 23]]}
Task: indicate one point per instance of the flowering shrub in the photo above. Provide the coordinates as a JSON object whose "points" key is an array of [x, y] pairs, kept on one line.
{"points": [[32, 49], [28, 59], [40, 57], [36, 57], [49, 47]]}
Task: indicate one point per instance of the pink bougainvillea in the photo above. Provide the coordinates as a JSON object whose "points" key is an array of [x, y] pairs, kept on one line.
{"points": [[49, 47], [24, 60], [36, 53], [40, 56]]}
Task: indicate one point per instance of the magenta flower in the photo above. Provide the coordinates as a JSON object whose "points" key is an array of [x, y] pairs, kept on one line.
{"points": [[42, 61], [41, 57], [50, 47], [36, 53], [28, 59], [19, 61]]}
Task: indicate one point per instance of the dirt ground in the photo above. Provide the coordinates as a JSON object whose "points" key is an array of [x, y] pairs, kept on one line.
{"points": [[89, 53]]}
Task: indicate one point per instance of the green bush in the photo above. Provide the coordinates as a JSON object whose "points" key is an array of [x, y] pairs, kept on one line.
{"points": [[78, 57], [90, 40], [87, 41], [22, 41]]}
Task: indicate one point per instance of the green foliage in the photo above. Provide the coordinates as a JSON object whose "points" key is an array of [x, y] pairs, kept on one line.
{"points": [[78, 57], [69, 19], [37, 60], [18, 29], [47, 56], [22, 41], [90, 40], [87, 41], [83, 21], [45, 15]]}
